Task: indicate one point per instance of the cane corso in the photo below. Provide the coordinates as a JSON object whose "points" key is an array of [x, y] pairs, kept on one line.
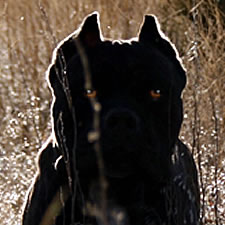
{"points": [[114, 157]]}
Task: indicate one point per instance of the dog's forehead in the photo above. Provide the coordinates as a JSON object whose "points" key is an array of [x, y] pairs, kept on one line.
{"points": [[129, 62], [118, 65]]}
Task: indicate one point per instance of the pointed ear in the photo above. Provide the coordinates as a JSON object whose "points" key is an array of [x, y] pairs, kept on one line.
{"points": [[90, 34], [149, 31], [151, 35]]}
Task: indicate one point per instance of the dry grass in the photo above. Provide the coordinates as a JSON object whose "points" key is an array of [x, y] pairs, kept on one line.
{"points": [[29, 31]]}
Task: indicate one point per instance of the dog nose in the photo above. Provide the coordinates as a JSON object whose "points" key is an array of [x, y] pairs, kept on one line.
{"points": [[121, 120]]}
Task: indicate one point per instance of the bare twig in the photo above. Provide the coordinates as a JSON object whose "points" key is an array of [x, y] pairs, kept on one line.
{"points": [[63, 79], [216, 154], [196, 125], [94, 135]]}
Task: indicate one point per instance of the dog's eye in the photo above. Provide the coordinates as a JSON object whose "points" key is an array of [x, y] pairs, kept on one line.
{"points": [[155, 94], [90, 93]]}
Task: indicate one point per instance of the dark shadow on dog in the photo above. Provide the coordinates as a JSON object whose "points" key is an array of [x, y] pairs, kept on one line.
{"points": [[150, 176]]}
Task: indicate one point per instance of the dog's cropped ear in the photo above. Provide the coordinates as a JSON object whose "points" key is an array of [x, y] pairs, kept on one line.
{"points": [[149, 31], [150, 34], [90, 34]]}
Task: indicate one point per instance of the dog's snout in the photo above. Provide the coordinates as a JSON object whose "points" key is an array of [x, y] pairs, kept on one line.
{"points": [[123, 120]]}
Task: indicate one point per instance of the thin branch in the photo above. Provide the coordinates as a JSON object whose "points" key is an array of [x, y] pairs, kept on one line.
{"points": [[94, 136], [216, 129]]}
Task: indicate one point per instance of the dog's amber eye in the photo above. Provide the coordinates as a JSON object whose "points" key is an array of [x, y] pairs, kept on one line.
{"points": [[90, 93], [155, 94]]}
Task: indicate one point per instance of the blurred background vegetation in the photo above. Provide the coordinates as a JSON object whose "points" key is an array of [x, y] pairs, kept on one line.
{"points": [[29, 31]]}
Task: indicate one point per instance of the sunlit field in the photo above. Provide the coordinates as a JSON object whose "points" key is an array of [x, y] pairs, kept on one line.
{"points": [[29, 31]]}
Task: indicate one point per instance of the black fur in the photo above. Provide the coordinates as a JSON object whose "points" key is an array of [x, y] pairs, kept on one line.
{"points": [[150, 175]]}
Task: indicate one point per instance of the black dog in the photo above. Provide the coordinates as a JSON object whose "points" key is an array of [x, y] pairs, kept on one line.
{"points": [[115, 157]]}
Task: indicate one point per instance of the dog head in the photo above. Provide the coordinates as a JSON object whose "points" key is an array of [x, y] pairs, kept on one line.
{"points": [[138, 84]]}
